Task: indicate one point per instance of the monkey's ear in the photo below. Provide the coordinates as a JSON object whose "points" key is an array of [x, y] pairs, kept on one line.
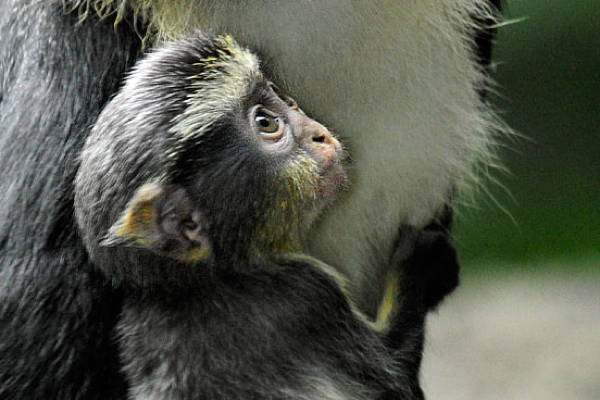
{"points": [[163, 219]]}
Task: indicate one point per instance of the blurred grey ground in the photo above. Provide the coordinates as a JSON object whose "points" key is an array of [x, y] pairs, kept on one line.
{"points": [[517, 336]]}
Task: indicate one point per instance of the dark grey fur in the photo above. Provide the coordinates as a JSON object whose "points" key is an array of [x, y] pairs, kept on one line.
{"points": [[56, 312]]}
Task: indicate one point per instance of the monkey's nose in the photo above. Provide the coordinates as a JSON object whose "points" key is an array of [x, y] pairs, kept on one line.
{"points": [[319, 134], [320, 141]]}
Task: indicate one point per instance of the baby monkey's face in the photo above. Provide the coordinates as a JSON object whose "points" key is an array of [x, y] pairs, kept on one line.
{"points": [[279, 168], [302, 148]]}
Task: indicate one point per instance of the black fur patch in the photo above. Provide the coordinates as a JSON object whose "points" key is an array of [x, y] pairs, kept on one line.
{"points": [[56, 312]]}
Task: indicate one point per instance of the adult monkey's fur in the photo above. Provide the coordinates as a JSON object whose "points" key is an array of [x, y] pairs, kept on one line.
{"points": [[401, 79]]}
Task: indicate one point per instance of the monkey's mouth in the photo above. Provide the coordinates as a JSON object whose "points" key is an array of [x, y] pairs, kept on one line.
{"points": [[332, 180]]}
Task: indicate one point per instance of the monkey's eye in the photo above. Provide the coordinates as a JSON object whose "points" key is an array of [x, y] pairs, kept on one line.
{"points": [[268, 125]]}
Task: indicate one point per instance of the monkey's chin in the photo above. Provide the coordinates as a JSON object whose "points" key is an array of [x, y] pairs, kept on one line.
{"points": [[332, 181]]}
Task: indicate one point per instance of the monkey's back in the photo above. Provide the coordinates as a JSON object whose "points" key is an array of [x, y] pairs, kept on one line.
{"points": [[264, 332]]}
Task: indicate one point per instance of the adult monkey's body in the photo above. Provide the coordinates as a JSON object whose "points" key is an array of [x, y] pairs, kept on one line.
{"points": [[399, 79]]}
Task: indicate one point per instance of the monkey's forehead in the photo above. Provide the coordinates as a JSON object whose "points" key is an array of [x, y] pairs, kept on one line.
{"points": [[226, 73], [199, 66], [220, 58], [202, 77]]}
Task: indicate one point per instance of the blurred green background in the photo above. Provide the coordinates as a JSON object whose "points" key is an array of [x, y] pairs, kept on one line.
{"points": [[547, 68], [524, 324]]}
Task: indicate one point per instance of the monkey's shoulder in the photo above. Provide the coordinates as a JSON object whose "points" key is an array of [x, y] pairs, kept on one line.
{"points": [[286, 291]]}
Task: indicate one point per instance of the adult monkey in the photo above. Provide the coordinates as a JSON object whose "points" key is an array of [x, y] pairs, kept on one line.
{"points": [[400, 79]]}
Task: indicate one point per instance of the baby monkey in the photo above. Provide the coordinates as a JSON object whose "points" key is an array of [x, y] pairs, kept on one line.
{"points": [[195, 189]]}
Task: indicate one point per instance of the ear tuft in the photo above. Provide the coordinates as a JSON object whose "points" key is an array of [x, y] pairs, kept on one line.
{"points": [[162, 219], [138, 222]]}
